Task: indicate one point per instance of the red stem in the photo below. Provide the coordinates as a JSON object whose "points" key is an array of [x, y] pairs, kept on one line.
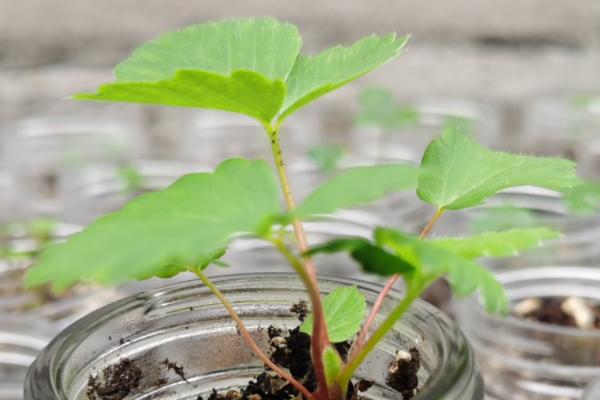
{"points": [[362, 336], [249, 339]]}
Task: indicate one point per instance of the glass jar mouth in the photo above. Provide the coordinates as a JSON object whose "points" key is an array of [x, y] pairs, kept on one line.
{"points": [[548, 281], [446, 354]]}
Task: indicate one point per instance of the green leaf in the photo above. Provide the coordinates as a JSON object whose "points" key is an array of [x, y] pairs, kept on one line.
{"points": [[496, 244], [244, 92], [584, 199], [370, 257], [380, 109], [314, 76], [357, 186], [326, 158], [456, 172], [432, 262], [186, 225], [261, 45], [344, 309], [333, 364]]}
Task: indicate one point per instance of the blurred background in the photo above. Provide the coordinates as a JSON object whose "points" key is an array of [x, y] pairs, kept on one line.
{"points": [[524, 75]]}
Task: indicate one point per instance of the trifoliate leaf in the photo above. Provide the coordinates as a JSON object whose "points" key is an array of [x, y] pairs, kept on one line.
{"points": [[246, 65], [314, 76], [186, 225], [456, 172], [326, 158], [344, 309], [357, 186], [244, 92], [332, 362], [496, 244]]}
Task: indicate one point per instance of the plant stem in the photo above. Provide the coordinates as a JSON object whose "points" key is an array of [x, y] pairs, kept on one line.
{"points": [[248, 338], [362, 336], [307, 272], [348, 372]]}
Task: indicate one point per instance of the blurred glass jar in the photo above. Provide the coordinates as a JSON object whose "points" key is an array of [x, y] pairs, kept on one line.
{"points": [[188, 325], [21, 340], [528, 360], [527, 207], [37, 150], [21, 242], [96, 190], [429, 116], [559, 126], [210, 137]]}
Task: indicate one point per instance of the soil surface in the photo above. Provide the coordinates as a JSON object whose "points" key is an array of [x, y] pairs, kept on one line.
{"points": [[563, 311], [117, 381], [289, 349]]}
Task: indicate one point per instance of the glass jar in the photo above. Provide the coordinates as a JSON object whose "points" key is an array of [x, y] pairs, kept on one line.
{"points": [[96, 190], [210, 137], [38, 150], [188, 325], [21, 340], [559, 126], [528, 360], [410, 141]]}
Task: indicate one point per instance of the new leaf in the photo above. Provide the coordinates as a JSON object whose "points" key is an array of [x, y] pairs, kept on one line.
{"points": [[456, 172], [161, 233], [344, 311]]}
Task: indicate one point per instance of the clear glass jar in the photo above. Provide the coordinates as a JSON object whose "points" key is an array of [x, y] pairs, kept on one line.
{"points": [[188, 325], [21, 340], [38, 150], [96, 190], [528, 360], [210, 137], [410, 142], [559, 126], [530, 207]]}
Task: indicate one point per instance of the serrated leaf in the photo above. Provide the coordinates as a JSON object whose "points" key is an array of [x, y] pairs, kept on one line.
{"points": [[357, 186], [244, 92], [496, 244], [456, 172], [262, 45], [332, 363], [344, 309], [186, 225], [432, 262], [314, 76]]}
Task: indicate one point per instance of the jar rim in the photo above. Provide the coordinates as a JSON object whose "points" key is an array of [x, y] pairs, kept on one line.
{"points": [[450, 342]]}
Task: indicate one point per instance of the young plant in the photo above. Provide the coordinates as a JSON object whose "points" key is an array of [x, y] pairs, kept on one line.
{"points": [[253, 67]]}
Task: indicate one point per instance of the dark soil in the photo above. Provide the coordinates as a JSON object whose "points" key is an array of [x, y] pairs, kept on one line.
{"points": [[402, 373], [177, 368], [569, 312], [300, 309], [117, 382]]}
